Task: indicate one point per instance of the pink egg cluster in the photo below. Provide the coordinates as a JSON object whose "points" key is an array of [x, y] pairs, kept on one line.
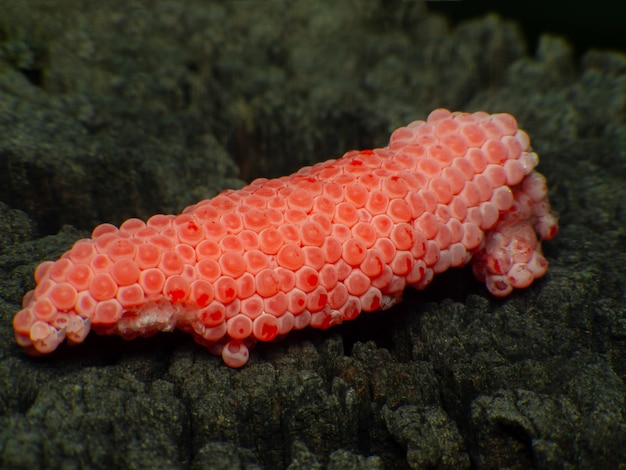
{"points": [[311, 249]]}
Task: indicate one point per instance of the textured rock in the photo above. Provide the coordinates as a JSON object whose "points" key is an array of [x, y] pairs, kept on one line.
{"points": [[549, 353]]}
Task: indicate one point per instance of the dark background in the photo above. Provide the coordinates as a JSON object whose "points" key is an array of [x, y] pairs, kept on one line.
{"points": [[586, 24]]}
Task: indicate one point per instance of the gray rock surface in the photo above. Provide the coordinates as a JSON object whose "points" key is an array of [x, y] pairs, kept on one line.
{"points": [[125, 109]]}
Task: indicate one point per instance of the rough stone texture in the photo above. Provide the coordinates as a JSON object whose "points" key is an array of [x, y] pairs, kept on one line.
{"points": [[128, 109]]}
